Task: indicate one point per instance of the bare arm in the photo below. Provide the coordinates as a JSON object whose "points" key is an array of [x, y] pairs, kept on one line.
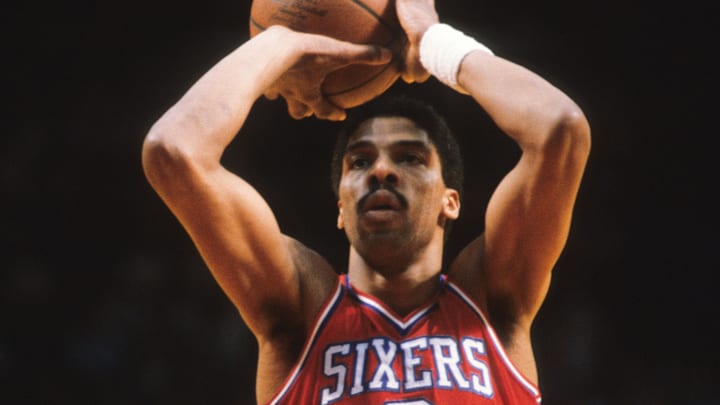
{"points": [[263, 272], [528, 217]]}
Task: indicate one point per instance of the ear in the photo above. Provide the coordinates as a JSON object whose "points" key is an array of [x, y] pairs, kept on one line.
{"points": [[451, 204], [340, 223]]}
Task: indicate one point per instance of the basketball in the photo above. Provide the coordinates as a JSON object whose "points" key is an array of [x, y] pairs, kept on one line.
{"points": [[358, 21]]}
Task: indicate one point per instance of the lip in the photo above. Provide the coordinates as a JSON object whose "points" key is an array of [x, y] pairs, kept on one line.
{"points": [[381, 200]]}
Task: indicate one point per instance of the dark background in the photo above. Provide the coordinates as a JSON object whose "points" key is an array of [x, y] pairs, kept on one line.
{"points": [[105, 301]]}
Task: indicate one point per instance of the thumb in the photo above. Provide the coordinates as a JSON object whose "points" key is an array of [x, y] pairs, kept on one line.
{"points": [[368, 55], [413, 69]]}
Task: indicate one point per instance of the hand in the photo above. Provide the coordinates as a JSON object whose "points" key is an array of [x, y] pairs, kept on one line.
{"points": [[318, 56], [415, 16]]}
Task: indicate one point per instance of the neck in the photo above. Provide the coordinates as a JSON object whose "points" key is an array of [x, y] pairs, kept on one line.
{"points": [[403, 284]]}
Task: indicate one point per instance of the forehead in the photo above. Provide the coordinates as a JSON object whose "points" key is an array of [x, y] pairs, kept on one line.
{"points": [[386, 131]]}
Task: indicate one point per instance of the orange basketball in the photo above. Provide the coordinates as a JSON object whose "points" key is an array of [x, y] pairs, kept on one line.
{"points": [[358, 21]]}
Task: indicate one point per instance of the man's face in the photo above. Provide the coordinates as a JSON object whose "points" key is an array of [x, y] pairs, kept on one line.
{"points": [[392, 188]]}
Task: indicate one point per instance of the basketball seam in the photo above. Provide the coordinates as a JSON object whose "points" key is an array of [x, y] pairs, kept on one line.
{"points": [[361, 84], [359, 3], [395, 36], [256, 24], [385, 45]]}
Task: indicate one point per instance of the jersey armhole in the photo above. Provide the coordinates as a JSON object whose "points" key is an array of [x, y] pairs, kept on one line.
{"points": [[320, 321], [517, 374]]}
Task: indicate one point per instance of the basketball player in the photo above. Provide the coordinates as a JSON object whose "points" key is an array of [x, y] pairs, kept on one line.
{"points": [[396, 328]]}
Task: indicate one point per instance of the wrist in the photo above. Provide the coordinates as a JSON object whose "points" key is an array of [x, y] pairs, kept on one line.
{"points": [[419, 28], [442, 50]]}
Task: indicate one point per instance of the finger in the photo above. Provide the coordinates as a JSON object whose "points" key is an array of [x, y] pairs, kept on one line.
{"points": [[272, 93], [326, 110], [362, 54], [374, 55], [297, 109], [407, 78], [412, 70], [421, 75]]}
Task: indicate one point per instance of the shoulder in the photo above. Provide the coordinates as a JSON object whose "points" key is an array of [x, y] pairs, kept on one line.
{"points": [[469, 271], [316, 276], [289, 315], [280, 348]]}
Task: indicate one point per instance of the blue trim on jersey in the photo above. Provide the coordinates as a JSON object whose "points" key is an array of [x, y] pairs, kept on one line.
{"points": [[402, 327], [529, 386]]}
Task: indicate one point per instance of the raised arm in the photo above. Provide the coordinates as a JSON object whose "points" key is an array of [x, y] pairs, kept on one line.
{"points": [[528, 217], [265, 274]]}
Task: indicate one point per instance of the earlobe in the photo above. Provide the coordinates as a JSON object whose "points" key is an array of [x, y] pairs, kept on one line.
{"points": [[451, 204], [340, 223]]}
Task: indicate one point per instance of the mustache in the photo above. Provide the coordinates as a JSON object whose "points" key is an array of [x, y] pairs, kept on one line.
{"points": [[376, 187]]}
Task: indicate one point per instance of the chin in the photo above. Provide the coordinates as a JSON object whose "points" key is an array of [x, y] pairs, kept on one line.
{"points": [[388, 242]]}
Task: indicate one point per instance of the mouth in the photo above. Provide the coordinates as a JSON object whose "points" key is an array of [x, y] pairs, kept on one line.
{"points": [[382, 200]]}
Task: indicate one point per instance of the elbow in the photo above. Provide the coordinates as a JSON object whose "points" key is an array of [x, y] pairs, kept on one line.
{"points": [[569, 135], [164, 159], [157, 154]]}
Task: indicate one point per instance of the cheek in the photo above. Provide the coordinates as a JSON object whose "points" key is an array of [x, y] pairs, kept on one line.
{"points": [[431, 191], [345, 190], [429, 184], [347, 196]]}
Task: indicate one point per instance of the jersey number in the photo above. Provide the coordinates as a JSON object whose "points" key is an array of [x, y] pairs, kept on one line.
{"points": [[410, 402]]}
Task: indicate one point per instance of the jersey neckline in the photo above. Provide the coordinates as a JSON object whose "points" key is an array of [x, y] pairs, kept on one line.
{"points": [[403, 324]]}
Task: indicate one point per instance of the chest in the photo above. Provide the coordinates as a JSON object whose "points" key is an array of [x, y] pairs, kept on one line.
{"points": [[361, 353]]}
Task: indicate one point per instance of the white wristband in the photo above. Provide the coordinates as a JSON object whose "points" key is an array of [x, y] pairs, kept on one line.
{"points": [[442, 50]]}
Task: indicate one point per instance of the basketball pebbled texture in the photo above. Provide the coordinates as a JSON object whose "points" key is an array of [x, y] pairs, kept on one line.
{"points": [[358, 21]]}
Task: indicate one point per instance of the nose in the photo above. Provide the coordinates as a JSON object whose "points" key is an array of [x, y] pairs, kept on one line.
{"points": [[383, 172]]}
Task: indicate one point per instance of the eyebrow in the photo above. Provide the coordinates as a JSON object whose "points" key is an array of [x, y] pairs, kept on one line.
{"points": [[402, 143]]}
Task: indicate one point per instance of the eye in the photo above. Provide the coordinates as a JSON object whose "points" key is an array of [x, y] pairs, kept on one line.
{"points": [[412, 159], [359, 162]]}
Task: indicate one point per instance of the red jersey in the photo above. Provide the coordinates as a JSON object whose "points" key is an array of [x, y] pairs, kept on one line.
{"points": [[361, 353]]}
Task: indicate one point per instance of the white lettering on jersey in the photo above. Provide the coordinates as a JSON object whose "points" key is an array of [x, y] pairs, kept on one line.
{"points": [[330, 369], [384, 378], [360, 350], [448, 357], [480, 383], [411, 361]]}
